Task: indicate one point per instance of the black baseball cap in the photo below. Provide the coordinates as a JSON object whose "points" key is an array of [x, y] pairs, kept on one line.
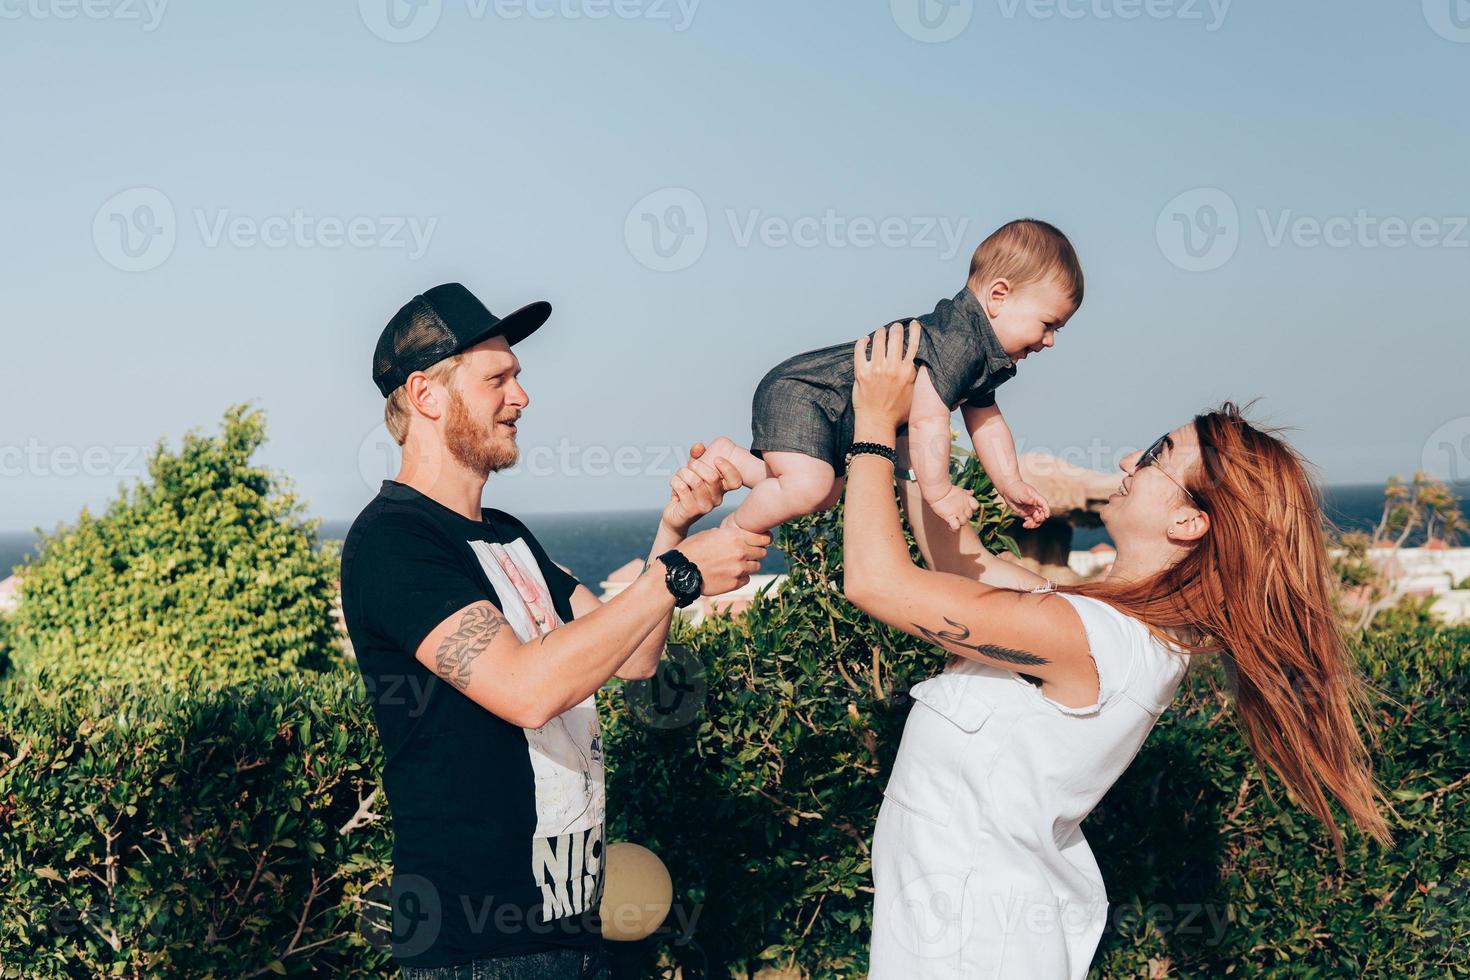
{"points": [[441, 322]]}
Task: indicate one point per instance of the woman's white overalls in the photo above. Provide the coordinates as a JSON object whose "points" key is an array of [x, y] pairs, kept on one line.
{"points": [[979, 864]]}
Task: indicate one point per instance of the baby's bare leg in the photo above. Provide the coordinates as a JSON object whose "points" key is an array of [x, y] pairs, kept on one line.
{"points": [[752, 468], [800, 485]]}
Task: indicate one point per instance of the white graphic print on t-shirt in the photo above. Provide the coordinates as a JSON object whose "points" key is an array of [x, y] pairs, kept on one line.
{"points": [[566, 752]]}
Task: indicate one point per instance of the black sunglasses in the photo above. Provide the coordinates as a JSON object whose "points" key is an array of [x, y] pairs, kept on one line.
{"points": [[1150, 457]]}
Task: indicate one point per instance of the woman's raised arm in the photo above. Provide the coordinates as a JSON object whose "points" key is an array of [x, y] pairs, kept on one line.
{"points": [[957, 552], [1036, 634]]}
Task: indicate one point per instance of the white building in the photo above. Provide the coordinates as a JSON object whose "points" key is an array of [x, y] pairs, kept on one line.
{"points": [[696, 611], [1433, 570]]}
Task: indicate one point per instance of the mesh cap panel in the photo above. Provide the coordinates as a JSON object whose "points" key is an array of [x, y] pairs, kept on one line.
{"points": [[415, 337]]}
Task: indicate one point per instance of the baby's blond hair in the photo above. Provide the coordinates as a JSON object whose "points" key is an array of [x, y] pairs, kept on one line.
{"points": [[1026, 251]]}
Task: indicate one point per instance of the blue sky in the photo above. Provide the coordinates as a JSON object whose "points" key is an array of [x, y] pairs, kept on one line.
{"points": [[214, 203]]}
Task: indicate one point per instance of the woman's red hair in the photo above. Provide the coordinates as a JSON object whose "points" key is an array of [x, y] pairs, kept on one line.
{"points": [[1258, 590]]}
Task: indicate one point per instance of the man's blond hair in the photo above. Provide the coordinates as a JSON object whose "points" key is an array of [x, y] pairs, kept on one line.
{"points": [[397, 411]]}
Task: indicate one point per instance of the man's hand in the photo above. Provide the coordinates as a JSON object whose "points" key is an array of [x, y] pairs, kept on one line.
{"points": [[698, 488], [726, 557], [1027, 502], [956, 507]]}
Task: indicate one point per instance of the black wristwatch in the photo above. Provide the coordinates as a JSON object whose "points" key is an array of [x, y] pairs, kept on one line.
{"points": [[682, 577]]}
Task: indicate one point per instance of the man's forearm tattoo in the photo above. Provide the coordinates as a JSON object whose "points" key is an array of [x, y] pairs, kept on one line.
{"points": [[476, 629], [956, 638]]}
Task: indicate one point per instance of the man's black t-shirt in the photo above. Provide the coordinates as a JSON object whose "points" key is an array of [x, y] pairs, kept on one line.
{"points": [[497, 829]]}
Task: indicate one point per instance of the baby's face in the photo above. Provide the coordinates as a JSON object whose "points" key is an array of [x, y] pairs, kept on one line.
{"points": [[1027, 318]]}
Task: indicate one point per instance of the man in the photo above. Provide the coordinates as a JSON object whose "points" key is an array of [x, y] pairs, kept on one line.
{"points": [[492, 759]]}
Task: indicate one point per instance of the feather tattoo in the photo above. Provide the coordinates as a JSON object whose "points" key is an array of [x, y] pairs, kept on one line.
{"points": [[956, 638]]}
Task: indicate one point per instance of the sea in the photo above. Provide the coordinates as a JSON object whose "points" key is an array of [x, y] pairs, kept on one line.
{"points": [[594, 543]]}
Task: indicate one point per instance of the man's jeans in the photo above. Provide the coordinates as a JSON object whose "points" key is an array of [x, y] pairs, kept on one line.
{"points": [[562, 964]]}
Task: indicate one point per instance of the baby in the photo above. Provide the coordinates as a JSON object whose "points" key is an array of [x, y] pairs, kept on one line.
{"points": [[1024, 283]]}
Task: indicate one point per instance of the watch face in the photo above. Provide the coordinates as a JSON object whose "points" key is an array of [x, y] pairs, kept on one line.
{"points": [[686, 579]]}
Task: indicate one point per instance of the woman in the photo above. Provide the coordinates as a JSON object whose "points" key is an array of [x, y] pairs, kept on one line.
{"points": [[979, 864]]}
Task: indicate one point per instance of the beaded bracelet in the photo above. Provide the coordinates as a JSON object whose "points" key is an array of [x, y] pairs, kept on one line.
{"points": [[876, 449]]}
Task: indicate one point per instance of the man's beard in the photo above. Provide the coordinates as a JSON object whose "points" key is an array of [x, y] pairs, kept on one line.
{"points": [[477, 446]]}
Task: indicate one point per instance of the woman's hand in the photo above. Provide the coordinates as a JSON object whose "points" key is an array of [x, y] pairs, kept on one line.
{"points": [[883, 384], [698, 488]]}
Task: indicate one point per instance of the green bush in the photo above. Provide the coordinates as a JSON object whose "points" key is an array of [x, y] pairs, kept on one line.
{"points": [[763, 806], [199, 832], [203, 573], [1410, 612], [5, 630], [1189, 829], [190, 834]]}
